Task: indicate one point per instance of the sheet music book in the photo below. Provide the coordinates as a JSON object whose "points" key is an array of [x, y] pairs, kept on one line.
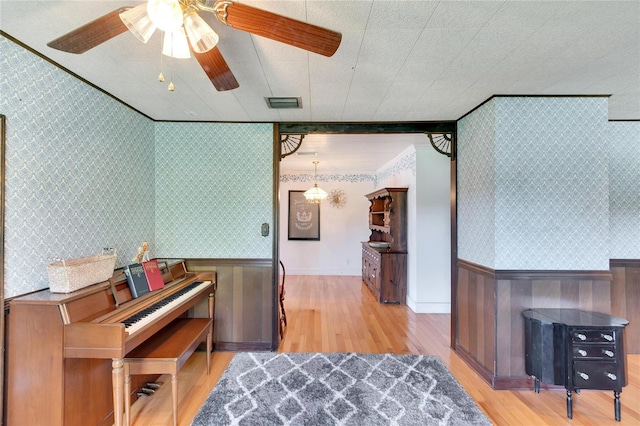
{"points": [[154, 276], [136, 279]]}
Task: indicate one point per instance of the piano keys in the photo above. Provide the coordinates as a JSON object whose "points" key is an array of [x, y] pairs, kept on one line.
{"points": [[147, 316], [65, 351]]}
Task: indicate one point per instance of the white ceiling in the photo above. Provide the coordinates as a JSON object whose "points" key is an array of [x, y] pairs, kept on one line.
{"points": [[349, 152], [398, 60]]}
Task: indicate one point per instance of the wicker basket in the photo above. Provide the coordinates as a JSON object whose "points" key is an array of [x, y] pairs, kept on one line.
{"points": [[70, 275]]}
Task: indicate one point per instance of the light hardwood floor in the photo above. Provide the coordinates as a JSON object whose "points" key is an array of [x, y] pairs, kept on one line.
{"points": [[339, 314]]}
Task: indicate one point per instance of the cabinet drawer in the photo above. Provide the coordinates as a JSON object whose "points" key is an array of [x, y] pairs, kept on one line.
{"points": [[372, 257], [593, 336], [607, 352], [597, 375]]}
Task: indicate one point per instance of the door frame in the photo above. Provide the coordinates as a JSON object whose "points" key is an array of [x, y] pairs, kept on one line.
{"points": [[304, 128]]}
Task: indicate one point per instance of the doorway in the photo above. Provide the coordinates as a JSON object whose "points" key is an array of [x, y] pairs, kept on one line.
{"points": [[342, 228]]}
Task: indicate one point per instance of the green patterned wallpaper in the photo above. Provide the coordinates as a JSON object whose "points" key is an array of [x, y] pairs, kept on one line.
{"points": [[533, 171], [213, 189], [79, 170]]}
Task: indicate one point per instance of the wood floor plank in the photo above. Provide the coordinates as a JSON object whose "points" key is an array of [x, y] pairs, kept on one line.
{"points": [[339, 314]]}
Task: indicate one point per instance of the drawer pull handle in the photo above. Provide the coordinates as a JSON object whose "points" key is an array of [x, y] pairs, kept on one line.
{"points": [[608, 337], [608, 353], [611, 376], [582, 352], [581, 336], [584, 376]]}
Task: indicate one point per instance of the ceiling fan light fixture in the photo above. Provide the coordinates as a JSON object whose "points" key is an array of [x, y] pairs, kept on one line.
{"points": [[138, 22], [165, 14], [201, 35], [176, 45]]}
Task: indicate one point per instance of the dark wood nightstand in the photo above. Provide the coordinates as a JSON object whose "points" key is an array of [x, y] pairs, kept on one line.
{"points": [[577, 350]]}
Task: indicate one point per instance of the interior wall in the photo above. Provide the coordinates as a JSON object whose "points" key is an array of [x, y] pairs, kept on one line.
{"points": [[623, 152], [433, 231], [419, 168], [342, 230], [476, 181], [552, 183], [214, 190], [79, 170], [533, 185], [81, 178], [426, 173]]}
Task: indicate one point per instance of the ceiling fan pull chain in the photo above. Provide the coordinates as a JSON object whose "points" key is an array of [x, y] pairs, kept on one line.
{"points": [[161, 76], [171, 87]]}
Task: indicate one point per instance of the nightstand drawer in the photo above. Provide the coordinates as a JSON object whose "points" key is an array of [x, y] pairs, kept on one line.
{"points": [[597, 375], [593, 336], [607, 352]]}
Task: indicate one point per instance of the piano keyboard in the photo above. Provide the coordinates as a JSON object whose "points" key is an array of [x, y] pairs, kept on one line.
{"points": [[150, 314]]}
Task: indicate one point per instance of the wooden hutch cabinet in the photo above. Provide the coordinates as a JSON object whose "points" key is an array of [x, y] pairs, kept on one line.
{"points": [[384, 256]]}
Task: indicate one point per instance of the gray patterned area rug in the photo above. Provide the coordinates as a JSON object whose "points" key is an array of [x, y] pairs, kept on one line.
{"points": [[267, 388]]}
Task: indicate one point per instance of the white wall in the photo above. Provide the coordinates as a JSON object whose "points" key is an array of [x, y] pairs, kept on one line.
{"points": [[339, 250], [432, 233], [427, 175]]}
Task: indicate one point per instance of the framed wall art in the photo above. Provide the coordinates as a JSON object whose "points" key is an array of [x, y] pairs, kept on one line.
{"points": [[304, 218]]}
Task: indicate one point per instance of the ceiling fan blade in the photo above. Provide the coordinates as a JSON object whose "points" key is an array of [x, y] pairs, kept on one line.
{"points": [[217, 69], [277, 27], [92, 34]]}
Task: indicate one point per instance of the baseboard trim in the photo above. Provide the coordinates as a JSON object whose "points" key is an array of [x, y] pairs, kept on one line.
{"points": [[325, 271], [484, 374], [428, 307], [242, 346], [496, 382]]}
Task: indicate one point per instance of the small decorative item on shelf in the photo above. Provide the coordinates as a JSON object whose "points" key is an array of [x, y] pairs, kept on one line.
{"points": [[142, 254], [70, 275]]}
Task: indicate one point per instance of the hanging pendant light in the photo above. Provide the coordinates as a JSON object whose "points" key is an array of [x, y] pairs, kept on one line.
{"points": [[315, 194]]}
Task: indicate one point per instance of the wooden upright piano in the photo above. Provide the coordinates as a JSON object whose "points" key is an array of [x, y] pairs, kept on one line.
{"points": [[65, 351]]}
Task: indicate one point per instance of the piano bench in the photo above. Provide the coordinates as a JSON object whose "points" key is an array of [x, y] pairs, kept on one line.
{"points": [[165, 353]]}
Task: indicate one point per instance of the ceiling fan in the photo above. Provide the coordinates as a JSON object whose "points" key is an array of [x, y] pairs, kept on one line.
{"points": [[180, 18]]}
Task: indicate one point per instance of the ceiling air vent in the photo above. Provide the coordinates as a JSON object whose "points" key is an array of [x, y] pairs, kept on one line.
{"points": [[281, 103]]}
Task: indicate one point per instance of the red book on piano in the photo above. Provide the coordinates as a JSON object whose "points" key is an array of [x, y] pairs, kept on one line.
{"points": [[154, 276]]}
